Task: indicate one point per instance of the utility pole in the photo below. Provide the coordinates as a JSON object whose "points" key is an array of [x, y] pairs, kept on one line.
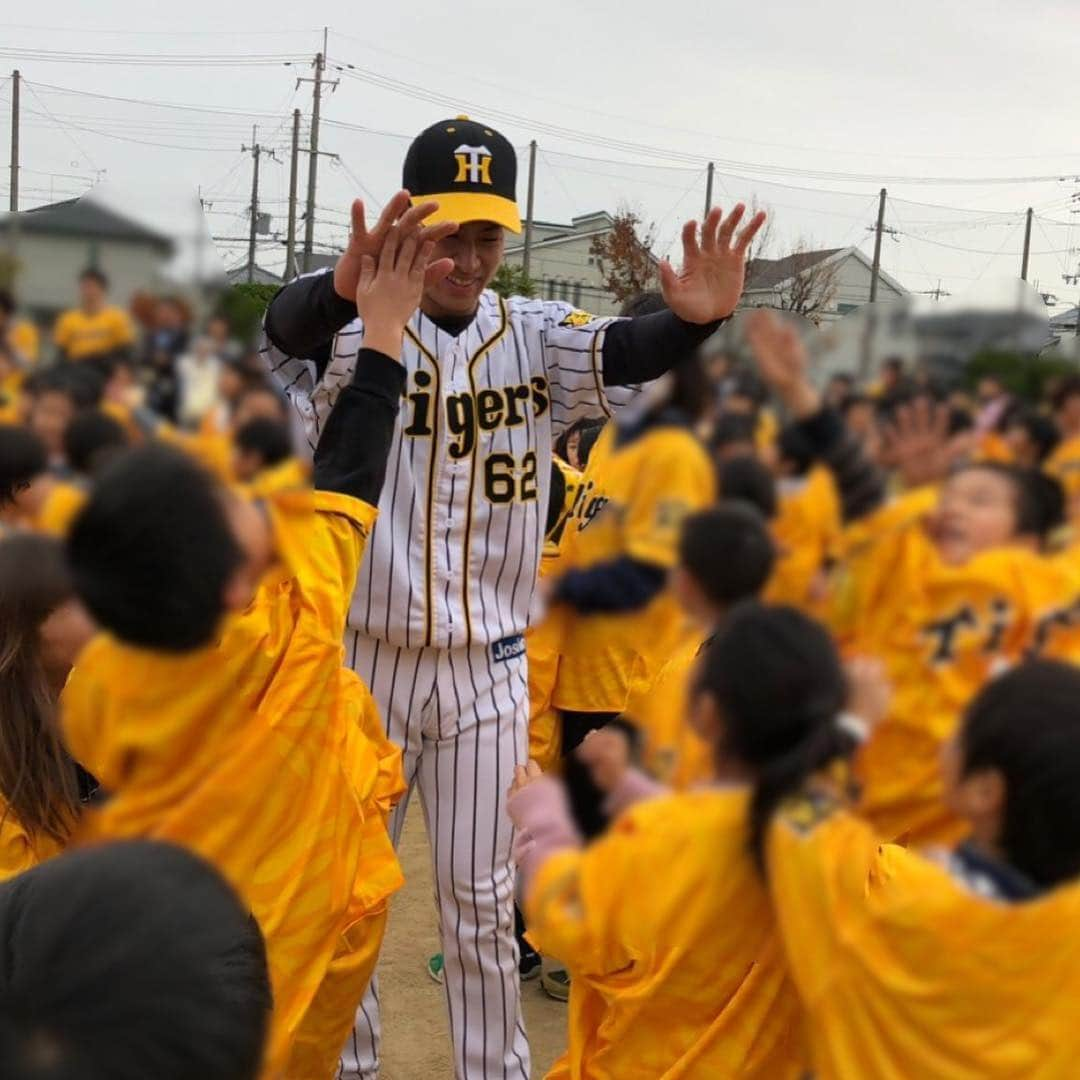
{"points": [[1027, 245], [290, 236], [708, 187], [313, 152], [877, 247], [256, 152], [525, 256], [13, 203]]}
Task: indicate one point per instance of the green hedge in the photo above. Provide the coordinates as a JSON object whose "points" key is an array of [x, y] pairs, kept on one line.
{"points": [[243, 305], [1024, 375]]}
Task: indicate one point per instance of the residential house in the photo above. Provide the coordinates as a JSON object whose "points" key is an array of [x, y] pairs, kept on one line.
{"points": [[826, 284], [562, 264], [50, 244]]}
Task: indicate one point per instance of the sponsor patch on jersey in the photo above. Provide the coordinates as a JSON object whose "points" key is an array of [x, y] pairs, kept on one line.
{"points": [[510, 648], [577, 318]]}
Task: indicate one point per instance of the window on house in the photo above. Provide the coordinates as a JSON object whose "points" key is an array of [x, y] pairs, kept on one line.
{"points": [[564, 291], [577, 294], [844, 309]]}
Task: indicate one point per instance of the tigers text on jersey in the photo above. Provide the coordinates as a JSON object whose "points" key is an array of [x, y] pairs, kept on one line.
{"points": [[454, 556], [942, 631]]}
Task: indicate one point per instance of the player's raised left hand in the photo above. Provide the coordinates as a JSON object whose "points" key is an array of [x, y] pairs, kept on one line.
{"points": [[713, 270]]}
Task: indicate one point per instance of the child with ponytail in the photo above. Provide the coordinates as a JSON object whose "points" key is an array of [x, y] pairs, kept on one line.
{"points": [[664, 923], [964, 962]]}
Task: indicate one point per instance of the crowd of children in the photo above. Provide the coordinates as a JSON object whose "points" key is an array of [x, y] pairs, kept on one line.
{"points": [[804, 796]]}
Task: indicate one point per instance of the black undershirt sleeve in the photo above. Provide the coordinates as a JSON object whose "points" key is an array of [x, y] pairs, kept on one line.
{"points": [[641, 349], [355, 442], [304, 316]]}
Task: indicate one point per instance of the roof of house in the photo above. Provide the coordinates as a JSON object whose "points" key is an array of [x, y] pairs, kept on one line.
{"points": [[767, 273], [238, 275], [554, 241], [764, 274], [86, 217]]}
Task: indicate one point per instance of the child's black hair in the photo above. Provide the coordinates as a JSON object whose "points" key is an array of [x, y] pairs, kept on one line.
{"points": [[728, 552], [589, 434], [749, 480], [270, 439], [1026, 726], [748, 384], [556, 501], [22, 457], [127, 961], [1068, 387], [93, 273], [80, 382], [579, 427], [152, 551], [1041, 430], [776, 679], [796, 449], [1040, 498], [732, 428], [91, 439]]}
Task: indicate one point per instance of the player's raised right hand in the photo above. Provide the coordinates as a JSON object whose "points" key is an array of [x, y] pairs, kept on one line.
{"points": [[389, 286], [397, 213]]}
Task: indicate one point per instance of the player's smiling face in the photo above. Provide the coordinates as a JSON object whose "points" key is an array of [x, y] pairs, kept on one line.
{"points": [[477, 250]]}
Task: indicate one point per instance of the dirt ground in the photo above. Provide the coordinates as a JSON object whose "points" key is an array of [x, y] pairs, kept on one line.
{"points": [[416, 1045]]}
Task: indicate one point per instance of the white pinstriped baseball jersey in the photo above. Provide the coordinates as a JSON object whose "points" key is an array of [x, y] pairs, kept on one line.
{"points": [[453, 558]]}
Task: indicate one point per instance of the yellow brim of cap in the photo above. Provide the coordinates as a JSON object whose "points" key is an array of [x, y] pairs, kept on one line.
{"points": [[465, 206]]}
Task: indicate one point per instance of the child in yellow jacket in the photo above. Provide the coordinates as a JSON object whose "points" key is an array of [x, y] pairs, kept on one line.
{"points": [[962, 964], [664, 923], [216, 711], [725, 556], [945, 600]]}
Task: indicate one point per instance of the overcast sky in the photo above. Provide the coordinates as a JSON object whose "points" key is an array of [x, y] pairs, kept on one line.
{"points": [[786, 96]]}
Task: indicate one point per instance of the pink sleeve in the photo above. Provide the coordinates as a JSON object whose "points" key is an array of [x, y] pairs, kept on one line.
{"points": [[634, 787], [541, 813]]}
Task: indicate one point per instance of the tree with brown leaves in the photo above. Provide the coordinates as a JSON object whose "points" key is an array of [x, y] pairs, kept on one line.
{"points": [[625, 259]]}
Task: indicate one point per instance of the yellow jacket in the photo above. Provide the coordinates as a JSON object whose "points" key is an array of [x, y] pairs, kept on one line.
{"points": [[649, 486], [261, 752], [671, 750], [942, 632], [907, 975], [675, 962], [19, 850]]}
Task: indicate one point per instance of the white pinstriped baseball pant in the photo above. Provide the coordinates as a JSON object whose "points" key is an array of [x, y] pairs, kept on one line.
{"points": [[461, 719]]}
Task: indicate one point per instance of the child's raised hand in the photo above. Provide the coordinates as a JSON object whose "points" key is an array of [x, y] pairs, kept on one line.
{"points": [[524, 775], [606, 754], [869, 691], [389, 289], [916, 443], [782, 361]]}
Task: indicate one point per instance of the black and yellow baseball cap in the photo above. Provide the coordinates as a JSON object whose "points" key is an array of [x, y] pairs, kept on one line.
{"points": [[470, 169]]}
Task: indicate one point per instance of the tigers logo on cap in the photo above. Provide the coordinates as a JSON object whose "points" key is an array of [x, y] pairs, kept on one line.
{"points": [[469, 169], [474, 164]]}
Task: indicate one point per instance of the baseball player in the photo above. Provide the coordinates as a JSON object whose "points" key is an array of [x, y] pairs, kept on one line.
{"points": [[439, 613]]}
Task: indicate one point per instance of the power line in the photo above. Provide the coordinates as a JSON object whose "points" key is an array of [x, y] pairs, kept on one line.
{"points": [[579, 107], [52, 56], [434, 97]]}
